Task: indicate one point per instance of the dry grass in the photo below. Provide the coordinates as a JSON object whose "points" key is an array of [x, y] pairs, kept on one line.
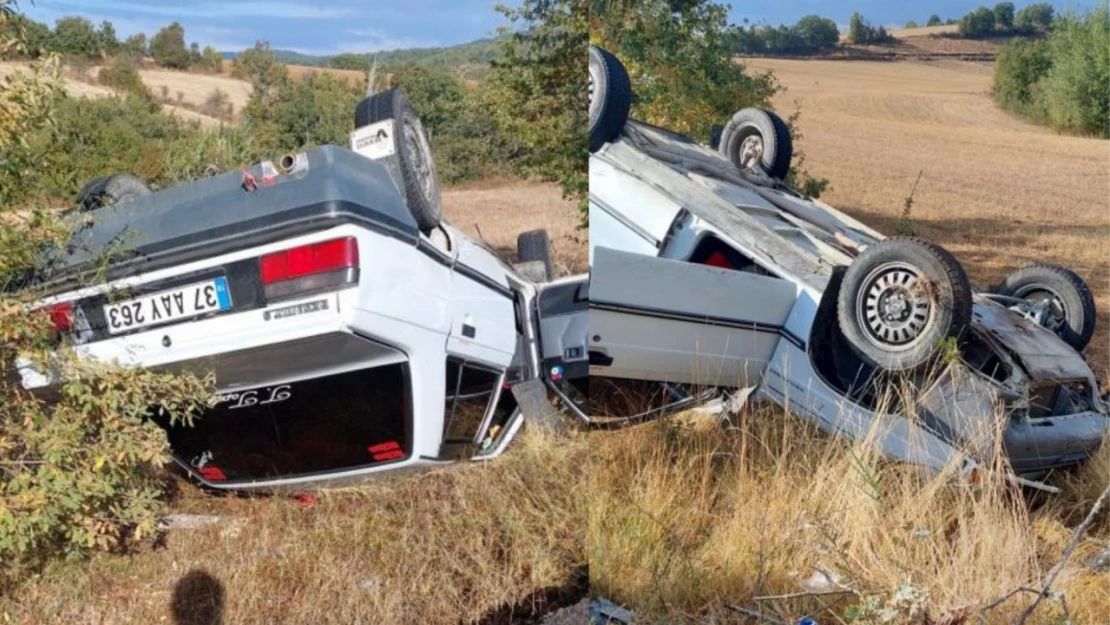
{"points": [[497, 212], [686, 517], [454, 545], [996, 191]]}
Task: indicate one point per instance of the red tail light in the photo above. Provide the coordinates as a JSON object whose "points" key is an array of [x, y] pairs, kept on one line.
{"points": [[311, 259], [61, 315], [310, 268]]}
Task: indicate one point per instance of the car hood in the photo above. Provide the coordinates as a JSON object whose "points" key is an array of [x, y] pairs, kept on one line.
{"points": [[1042, 354]]}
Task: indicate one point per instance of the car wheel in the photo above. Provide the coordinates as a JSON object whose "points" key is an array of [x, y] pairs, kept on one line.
{"points": [[1071, 312], [900, 300], [758, 138], [410, 163], [610, 97], [535, 246], [111, 191]]}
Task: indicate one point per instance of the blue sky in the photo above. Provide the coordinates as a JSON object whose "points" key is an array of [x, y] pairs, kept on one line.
{"points": [[331, 26], [885, 12], [314, 27]]}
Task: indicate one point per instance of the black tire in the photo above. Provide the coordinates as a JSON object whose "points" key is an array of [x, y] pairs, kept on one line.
{"points": [[610, 97], [111, 191], [411, 165], [900, 300], [755, 137], [535, 246], [1072, 303]]}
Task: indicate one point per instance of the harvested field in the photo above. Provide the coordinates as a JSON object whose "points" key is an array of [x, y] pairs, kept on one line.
{"points": [[497, 214], [997, 191], [74, 88], [195, 88]]}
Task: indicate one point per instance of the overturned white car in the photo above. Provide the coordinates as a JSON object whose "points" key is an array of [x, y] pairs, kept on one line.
{"points": [[349, 329], [706, 269]]}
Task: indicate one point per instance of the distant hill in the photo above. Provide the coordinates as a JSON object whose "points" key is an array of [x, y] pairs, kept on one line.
{"points": [[467, 60]]}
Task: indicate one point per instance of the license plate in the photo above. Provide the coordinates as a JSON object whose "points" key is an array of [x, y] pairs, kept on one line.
{"points": [[168, 306]]}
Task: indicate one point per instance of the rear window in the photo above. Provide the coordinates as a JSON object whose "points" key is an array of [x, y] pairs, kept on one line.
{"points": [[329, 424]]}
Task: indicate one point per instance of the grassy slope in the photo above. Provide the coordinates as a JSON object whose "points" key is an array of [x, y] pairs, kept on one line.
{"points": [[686, 517]]}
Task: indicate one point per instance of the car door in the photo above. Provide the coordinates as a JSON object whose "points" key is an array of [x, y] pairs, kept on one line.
{"points": [[563, 313], [672, 321]]}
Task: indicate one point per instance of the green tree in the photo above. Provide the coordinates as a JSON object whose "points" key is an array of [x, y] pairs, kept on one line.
{"points": [[75, 36], [1035, 17], [135, 45], [817, 32], [862, 32], [856, 26], [109, 43], [538, 91], [680, 61], [911, 24], [934, 20], [977, 24], [168, 47], [259, 65], [1004, 16]]}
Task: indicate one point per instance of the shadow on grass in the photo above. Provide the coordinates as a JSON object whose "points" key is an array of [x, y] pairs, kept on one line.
{"points": [[533, 607], [198, 599]]}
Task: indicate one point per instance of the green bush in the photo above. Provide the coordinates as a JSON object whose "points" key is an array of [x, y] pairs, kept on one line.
{"points": [[76, 463], [1076, 90], [1062, 81], [934, 20], [1019, 67], [122, 74]]}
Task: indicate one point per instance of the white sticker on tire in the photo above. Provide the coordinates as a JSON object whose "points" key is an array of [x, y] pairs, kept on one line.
{"points": [[375, 141]]}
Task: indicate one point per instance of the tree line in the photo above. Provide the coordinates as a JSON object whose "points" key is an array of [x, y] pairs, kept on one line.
{"points": [[77, 38]]}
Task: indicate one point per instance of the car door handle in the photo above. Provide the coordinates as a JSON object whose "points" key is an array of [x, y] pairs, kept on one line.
{"points": [[600, 359]]}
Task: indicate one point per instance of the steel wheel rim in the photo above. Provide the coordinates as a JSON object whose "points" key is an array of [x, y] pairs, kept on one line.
{"points": [[893, 308], [1039, 294], [419, 154]]}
